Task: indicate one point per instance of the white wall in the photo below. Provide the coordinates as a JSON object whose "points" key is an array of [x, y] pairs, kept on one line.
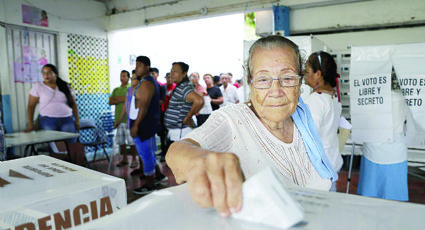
{"points": [[211, 45], [355, 15], [363, 15], [341, 41]]}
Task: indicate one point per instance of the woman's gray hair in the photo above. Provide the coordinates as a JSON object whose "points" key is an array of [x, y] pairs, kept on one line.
{"points": [[271, 42]]}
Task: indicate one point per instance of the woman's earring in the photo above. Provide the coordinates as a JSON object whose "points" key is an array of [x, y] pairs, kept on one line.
{"points": [[249, 103]]}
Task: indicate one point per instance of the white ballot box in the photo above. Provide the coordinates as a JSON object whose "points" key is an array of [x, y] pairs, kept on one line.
{"points": [[42, 192], [173, 208]]}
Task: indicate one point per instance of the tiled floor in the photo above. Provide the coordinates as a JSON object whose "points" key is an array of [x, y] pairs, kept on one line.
{"points": [[416, 180]]}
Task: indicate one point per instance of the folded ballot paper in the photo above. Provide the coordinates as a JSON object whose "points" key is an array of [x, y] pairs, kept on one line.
{"points": [[266, 201]]}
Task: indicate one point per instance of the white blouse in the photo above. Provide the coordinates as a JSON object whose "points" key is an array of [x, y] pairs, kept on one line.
{"points": [[326, 112], [235, 128]]}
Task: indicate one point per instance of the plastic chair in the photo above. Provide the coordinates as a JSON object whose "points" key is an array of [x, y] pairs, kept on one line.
{"points": [[108, 125], [92, 136]]}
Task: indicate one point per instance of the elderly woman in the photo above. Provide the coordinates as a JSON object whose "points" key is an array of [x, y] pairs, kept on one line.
{"points": [[274, 129]]}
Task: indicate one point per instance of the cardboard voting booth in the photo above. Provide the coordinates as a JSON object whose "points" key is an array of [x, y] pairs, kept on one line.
{"points": [[370, 91], [41, 192]]}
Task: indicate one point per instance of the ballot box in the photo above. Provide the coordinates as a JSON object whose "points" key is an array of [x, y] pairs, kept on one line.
{"points": [[323, 211], [42, 192]]}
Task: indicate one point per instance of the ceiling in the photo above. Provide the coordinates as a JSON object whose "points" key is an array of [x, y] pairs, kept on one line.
{"points": [[293, 4], [103, 1]]}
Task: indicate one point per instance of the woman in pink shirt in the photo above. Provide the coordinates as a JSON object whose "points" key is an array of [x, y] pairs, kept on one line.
{"points": [[57, 106]]}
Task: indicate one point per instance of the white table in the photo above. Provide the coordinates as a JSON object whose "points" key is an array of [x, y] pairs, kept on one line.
{"points": [[173, 208], [42, 188], [36, 137]]}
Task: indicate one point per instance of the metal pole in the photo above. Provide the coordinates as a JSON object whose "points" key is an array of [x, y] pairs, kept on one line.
{"points": [[349, 169]]}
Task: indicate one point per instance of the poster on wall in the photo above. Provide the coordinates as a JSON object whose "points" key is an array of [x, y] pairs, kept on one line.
{"points": [[370, 94], [132, 59], [34, 16], [29, 69]]}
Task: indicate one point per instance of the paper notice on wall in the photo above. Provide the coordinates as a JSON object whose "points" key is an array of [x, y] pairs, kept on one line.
{"points": [[35, 16], [370, 94], [29, 69]]}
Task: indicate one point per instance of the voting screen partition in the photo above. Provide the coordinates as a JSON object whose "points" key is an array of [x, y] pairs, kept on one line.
{"points": [[370, 91]]}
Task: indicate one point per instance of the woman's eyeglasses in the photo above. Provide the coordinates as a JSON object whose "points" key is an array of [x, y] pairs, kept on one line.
{"points": [[285, 81], [134, 78]]}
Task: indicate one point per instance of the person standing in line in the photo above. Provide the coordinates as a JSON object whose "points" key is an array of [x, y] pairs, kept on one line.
{"points": [[228, 90], [123, 137], [154, 72], [194, 79], [133, 83], [231, 80], [144, 122], [169, 90], [324, 104], [206, 110], [162, 92], [217, 81], [213, 91], [241, 91], [184, 103]]}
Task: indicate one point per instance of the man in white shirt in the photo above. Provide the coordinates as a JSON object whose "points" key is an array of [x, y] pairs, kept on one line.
{"points": [[228, 90]]}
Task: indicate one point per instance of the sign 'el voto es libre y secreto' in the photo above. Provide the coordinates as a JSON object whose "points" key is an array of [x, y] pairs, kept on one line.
{"points": [[370, 91]]}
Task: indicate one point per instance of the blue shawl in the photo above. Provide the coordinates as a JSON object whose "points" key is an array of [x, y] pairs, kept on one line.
{"points": [[312, 142]]}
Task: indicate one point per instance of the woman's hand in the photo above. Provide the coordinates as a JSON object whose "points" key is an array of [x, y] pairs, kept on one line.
{"points": [[215, 180], [77, 125], [29, 128]]}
